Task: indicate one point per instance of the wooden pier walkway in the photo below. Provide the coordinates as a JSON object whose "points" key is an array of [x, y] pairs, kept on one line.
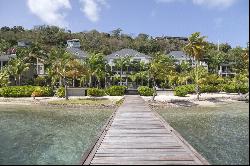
{"points": [[136, 135]]}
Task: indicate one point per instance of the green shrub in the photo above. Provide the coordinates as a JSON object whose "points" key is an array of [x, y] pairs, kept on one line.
{"points": [[40, 81], [230, 88], [60, 92], [209, 89], [42, 92], [243, 88], [25, 91], [95, 92], [190, 88], [116, 90], [235, 88], [181, 91], [1, 92], [145, 91]]}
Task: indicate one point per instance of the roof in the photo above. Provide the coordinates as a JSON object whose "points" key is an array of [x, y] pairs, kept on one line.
{"points": [[179, 55], [227, 64], [7, 57], [77, 53], [125, 53]]}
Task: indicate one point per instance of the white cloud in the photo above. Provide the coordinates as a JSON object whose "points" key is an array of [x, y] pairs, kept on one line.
{"points": [[92, 8], [208, 3], [52, 12], [215, 3]]}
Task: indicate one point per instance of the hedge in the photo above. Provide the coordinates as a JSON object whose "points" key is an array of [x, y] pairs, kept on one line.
{"points": [[95, 92], [229, 88], [209, 88], [235, 88], [60, 92], [145, 91], [180, 91], [26, 91], [42, 92], [116, 90]]}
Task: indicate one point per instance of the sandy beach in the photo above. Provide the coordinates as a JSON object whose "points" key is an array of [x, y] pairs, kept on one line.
{"points": [[206, 99]]}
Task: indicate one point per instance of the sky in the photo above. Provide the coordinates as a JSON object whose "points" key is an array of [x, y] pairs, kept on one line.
{"points": [[219, 20]]}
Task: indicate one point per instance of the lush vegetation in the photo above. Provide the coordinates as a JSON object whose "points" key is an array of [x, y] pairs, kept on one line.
{"points": [[116, 90], [26, 91], [145, 91], [60, 92], [95, 92], [48, 47]]}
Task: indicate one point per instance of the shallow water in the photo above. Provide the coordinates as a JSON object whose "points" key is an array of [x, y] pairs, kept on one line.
{"points": [[220, 134], [47, 135]]}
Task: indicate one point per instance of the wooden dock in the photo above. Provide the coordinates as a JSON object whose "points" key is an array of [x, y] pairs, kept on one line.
{"points": [[136, 135]]}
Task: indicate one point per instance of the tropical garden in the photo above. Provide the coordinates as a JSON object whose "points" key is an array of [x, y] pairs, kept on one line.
{"points": [[63, 70]]}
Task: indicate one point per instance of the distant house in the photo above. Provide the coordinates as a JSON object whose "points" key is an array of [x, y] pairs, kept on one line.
{"points": [[226, 69], [73, 47], [24, 43], [74, 43], [180, 57], [5, 58], [133, 54], [11, 52]]}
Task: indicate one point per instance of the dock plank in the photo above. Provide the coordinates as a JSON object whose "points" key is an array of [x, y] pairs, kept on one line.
{"points": [[138, 136]]}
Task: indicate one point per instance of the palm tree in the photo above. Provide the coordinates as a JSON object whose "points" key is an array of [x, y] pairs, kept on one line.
{"points": [[121, 63], [196, 48], [133, 77], [4, 77], [16, 67], [96, 68], [75, 69], [160, 67], [58, 60]]}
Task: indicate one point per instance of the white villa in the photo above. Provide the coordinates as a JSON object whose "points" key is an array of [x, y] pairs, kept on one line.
{"points": [[133, 54], [180, 57]]}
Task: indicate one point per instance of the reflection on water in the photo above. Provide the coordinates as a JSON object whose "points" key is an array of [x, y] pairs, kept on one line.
{"points": [[47, 135], [220, 134]]}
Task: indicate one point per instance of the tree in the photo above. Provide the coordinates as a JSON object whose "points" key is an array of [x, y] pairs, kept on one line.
{"points": [[160, 67], [116, 33], [121, 63], [196, 48], [96, 68], [58, 60], [4, 77], [225, 47], [4, 45], [214, 58], [75, 69], [16, 67]]}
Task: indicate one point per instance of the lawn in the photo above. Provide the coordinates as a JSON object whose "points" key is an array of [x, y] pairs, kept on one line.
{"points": [[220, 134], [47, 134], [86, 102]]}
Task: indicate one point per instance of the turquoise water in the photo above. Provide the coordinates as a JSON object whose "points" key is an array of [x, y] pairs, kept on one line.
{"points": [[47, 135], [220, 134]]}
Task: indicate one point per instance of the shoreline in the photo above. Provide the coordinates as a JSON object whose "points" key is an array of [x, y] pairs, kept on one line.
{"points": [[206, 99], [29, 101]]}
